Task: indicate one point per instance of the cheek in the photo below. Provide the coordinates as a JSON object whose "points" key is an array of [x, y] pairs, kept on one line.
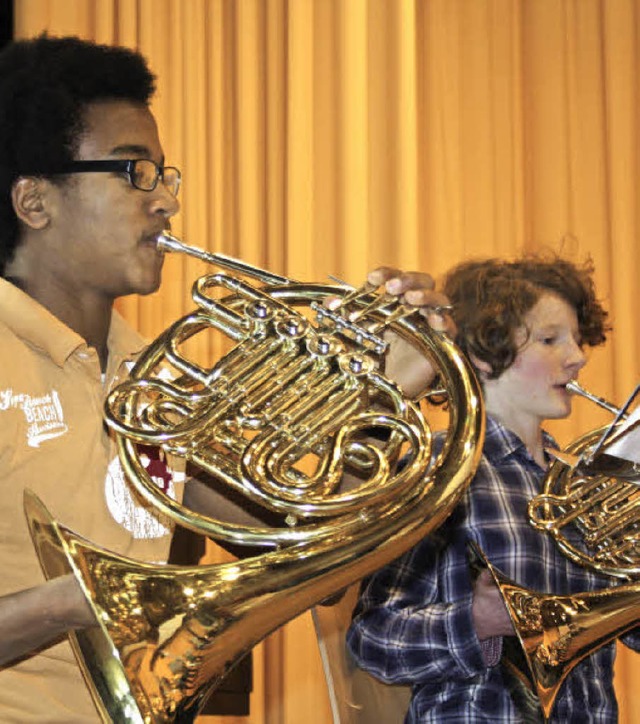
{"points": [[532, 368]]}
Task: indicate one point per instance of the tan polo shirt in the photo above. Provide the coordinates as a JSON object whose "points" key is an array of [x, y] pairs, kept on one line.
{"points": [[53, 441]]}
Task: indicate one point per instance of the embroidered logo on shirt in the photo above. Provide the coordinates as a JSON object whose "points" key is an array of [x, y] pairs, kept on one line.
{"points": [[44, 414], [126, 509]]}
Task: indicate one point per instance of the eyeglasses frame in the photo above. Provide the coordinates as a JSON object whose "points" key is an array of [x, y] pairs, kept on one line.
{"points": [[118, 166]]}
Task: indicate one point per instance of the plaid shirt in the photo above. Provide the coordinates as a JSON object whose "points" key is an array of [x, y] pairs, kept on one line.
{"points": [[413, 623]]}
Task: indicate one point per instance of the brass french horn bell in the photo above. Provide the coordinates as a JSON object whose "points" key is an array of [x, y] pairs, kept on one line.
{"points": [[594, 518], [279, 420]]}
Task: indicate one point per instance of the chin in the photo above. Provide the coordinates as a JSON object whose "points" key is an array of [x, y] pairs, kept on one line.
{"points": [[559, 413], [147, 282], [144, 290], [147, 277]]}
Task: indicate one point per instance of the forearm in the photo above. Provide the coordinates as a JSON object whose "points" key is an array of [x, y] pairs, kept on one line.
{"points": [[214, 500], [38, 616], [406, 646]]}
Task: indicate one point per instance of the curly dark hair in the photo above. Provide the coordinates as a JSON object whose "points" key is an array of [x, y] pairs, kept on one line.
{"points": [[46, 83], [491, 297]]}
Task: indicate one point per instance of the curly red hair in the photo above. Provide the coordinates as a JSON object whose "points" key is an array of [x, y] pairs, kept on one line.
{"points": [[491, 297]]}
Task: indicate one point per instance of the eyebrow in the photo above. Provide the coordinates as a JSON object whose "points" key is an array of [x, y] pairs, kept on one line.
{"points": [[552, 328], [134, 150]]}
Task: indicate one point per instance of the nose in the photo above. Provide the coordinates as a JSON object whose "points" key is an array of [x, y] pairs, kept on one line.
{"points": [[164, 202], [576, 357]]}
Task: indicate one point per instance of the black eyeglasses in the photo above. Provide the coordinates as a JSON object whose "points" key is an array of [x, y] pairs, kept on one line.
{"points": [[142, 172]]}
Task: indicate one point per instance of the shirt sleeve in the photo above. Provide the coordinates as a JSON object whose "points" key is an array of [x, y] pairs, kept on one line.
{"points": [[403, 633]]}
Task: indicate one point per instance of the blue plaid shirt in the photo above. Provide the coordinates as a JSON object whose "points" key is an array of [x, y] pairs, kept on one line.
{"points": [[413, 624]]}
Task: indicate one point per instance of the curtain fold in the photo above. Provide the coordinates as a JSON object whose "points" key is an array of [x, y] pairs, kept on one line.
{"points": [[325, 137]]}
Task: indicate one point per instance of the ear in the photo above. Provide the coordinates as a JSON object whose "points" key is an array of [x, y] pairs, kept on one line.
{"points": [[484, 368], [28, 195]]}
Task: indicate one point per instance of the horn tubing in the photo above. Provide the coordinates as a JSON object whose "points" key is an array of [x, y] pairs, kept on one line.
{"points": [[167, 635]]}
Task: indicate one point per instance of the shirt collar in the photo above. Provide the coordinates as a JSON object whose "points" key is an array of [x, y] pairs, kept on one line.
{"points": [[500, 442], [35, 324], [123, 341]]}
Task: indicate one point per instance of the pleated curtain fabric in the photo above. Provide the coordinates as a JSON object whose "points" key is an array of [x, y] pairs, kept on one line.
{"points": [[325, 137]]}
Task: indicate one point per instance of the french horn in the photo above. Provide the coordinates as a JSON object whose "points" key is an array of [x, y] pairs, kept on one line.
{"points": [[590, 505], [280, 419]]}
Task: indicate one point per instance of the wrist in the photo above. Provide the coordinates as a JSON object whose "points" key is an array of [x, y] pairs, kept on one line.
{"points": [[66, 605]]}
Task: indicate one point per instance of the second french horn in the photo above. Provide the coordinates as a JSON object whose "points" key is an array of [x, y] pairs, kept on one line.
{"points": [[278, 420], [602, 511]]}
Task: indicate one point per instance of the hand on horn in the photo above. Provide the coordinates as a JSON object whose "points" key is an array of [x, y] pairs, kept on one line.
{"points": [[411, 370]]}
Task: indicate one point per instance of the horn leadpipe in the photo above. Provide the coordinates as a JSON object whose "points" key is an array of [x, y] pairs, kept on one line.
{"points": [[576, 389], [168, 242]]}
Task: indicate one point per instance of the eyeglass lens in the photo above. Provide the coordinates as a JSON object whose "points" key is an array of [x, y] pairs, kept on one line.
{"points": [[145, 175]]}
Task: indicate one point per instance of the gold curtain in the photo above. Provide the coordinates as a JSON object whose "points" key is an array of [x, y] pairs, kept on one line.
{"points": [[330, 136]]}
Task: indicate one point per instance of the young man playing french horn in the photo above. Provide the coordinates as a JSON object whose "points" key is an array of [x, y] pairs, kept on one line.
{"points": [[84, 196]]}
